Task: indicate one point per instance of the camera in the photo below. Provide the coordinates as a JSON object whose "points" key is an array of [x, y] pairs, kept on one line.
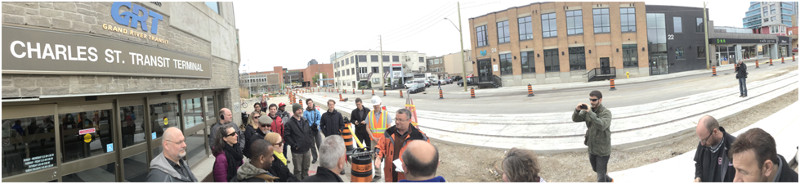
{"points": [[584, 106]]}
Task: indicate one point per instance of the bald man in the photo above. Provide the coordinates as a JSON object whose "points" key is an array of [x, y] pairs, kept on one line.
{"points": [[420, 161], [168, 166], [711, 161], [225, 117]]}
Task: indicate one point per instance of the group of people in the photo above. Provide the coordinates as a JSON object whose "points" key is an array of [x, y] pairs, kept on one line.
{"points": [[259, 155]]}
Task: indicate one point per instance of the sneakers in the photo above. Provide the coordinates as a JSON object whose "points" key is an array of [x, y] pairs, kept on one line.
{"points": [[341, 173], [314, 161], [376, 178]]}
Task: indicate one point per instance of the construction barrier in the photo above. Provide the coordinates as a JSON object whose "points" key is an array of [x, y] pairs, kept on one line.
{"points": [[713, 71], [770, 61], [530, 90], [614, 87], [373, 92], [384, 92], [362, 91], [340, 98], [440, 94], [782, 60], [472, 92], [757, 63], [401, 93]]}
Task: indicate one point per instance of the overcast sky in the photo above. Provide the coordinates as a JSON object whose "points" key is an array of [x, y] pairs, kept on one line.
{"points": [[292, 32]]}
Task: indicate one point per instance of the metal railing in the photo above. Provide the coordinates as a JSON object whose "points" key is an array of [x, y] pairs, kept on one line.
{"points": [[602, 73]]}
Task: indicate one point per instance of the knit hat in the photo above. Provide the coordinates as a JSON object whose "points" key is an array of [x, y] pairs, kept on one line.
{"points": [[272, 137], [296, 107]]}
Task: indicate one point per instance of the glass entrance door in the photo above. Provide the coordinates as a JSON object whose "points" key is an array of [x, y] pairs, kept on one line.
{"points": [[484, 70], [88, 142], [30, 143]]}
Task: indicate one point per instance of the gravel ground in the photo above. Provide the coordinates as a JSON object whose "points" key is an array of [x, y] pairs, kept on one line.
{"points": [[463, 163]]}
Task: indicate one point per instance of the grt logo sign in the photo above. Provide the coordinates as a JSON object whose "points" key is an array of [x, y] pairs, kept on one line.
{"points": [[134, 16]]}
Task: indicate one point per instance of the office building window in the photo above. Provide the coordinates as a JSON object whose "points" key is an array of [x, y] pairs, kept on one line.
{"points": [[549, 28], [503, 35], [373, 58], [525, 28], [396, 58], [361, 58], [551, 60], [528, 66], [679, 53], [676, 25], [214, 6], [421, 59], [699, 25], [600, 18], [628, 19], [481, 34], [385, 58], [701, 52], [375, 69], [574, 22], [630, 56], [505, 64], [577, 59]]}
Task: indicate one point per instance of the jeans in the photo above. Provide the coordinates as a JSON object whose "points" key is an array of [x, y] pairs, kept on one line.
{"points": [[316, 142], [600, 166], [743, 86], [301, 161]]}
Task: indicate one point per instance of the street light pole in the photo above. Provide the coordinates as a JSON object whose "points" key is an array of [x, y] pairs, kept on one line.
{"points": [[461, 36]]}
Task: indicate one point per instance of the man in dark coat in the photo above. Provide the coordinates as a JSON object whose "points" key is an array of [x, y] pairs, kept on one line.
{"points": [[358, 116], [741, 74], [756, 159], [299, 136], [332, 122], [711, 161]]}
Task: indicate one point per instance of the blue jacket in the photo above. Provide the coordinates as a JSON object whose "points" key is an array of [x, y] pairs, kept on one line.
{"points": [[435, 179], [313, 117]]}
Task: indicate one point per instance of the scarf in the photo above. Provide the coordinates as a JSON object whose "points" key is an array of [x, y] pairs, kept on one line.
{"points": [[234, 157], [280, 156]]}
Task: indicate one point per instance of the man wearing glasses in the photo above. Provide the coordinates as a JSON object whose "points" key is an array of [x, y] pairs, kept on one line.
{"points": [[711, 161], [598, 134], [169, 166]]}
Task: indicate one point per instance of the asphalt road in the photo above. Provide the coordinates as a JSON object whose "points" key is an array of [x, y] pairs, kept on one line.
{"points": [[560, 100]]}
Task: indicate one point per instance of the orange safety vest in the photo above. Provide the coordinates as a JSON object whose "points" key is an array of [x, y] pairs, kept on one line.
{"points": [[378, 126]]}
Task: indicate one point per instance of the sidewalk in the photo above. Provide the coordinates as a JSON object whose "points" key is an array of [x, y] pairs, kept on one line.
{"points": [[782, 126]]}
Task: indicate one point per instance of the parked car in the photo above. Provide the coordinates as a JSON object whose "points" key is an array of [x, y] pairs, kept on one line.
{"points": [[408, 84], [416, 87], [470, 82]]}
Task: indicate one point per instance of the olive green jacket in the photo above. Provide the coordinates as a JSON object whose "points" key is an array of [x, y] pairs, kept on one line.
{"points": [[598, 134]]}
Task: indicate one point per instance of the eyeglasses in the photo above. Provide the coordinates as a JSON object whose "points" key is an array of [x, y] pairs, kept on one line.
{"points": [[279, 144], [178, 142], [593, 99], [709, 136], [231, 134], [267, 125], [256, 117]]}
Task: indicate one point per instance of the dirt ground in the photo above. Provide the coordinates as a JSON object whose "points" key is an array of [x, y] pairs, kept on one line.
{"points": [[462, 163]]}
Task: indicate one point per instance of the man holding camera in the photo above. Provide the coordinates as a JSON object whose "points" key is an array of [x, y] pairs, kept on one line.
{"points": [[598, 134]]}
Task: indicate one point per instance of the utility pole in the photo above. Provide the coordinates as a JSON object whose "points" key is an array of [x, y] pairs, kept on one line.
{"points": [[705, 30], [463, 62], [380, 59]]}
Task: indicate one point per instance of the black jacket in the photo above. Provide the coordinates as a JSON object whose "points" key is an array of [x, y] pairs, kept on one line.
{"points": [[324, 175], [298, 135], [251, 135], [356, 116], [741, 71], [706, 163], [786, 173], [282, 171], [331, 123]]}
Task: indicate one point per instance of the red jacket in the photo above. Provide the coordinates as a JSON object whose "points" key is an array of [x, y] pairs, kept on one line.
{"points": [[277, 125]]}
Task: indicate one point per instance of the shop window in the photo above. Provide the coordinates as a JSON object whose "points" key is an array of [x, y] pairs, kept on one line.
{"points": [[551, 63], [86, 134], [679, 53], [528, 66], [28, 144], [577, 58], [132, 118], [505, 64], [162, 116], [630, 56]]}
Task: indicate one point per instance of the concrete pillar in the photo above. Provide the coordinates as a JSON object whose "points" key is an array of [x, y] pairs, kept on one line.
{"points": [[738, 52], [774, 51]]}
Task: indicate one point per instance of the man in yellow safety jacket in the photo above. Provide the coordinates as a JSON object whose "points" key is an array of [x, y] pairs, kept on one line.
{"points": [[377, 123]]}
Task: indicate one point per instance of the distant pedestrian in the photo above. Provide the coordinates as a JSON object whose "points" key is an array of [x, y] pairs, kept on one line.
{"points": [[598, 134], [756, 159], [521, 166], [711, 161], [741, 74]]}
